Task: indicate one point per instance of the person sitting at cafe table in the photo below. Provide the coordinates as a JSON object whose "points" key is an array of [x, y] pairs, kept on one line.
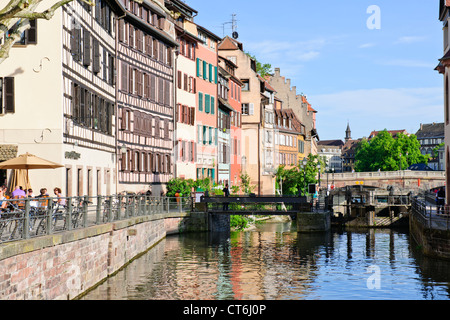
{"points": [[60, 200]]}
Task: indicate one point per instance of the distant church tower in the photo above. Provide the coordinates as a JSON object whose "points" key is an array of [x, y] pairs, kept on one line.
{"points": [[348, 133]]}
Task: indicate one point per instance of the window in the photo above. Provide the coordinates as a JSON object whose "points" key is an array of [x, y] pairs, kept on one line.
{"points": [[247, 109], [246, 84]]}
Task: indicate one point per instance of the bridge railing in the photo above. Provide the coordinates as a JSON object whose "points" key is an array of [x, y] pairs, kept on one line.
{"points": [[430, 215], [30, 217], [268, 204]]}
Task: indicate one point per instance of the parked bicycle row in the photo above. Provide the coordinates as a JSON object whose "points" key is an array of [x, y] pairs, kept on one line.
{"points": [[29, 217]]}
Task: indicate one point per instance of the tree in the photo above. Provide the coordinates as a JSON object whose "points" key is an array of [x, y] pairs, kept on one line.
{"points": [[386, 153], [262, 69], [296, 180], [15, 18]]}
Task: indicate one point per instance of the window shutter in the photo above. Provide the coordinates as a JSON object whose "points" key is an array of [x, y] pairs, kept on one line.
{"points": [[192, 120], [86, 48], [204, 70], [215, 75], [211, 77], [121, 29], [124, 76], [216, 140], [96, 54], [179, 79], [112, 70], [153, 87], [131, 36], [198, 67], [185, 78], [166, 129], [212, 105], [200, 101], [146, 86], [207, 103], [75, 44], [251, 109], [160, 90], [9, 95], [130, 81], [155, 49], [31, 33]]}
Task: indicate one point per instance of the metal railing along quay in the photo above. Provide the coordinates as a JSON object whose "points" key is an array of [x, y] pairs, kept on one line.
{"points": [[430, 215], [31, 217]]}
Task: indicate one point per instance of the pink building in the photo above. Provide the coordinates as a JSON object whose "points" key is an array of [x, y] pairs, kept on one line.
{"points": [[233, 100], [206, 113]]}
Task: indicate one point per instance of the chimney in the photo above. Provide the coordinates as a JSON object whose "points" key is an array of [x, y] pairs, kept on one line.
{"points": [[277, 72]]}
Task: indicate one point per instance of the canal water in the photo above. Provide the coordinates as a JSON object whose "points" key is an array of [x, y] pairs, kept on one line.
{"points": [[274, 262]]}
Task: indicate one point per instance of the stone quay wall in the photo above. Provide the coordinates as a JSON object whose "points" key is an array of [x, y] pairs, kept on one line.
{"points": [[65, 265]]}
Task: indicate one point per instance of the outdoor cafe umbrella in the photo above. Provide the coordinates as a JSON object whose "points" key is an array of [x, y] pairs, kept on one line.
{"points": [[26, 162]]}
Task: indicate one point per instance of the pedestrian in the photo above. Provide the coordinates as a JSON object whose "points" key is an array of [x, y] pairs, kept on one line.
{"points": [[226, 194], [441, 200]]}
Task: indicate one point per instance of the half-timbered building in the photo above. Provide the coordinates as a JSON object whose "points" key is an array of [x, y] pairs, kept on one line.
{"points": [[62, 104], [145, 97]]}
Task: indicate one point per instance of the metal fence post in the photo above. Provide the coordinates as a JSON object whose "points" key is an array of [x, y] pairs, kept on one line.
{"points": [[110, 217], [69, 214], [85, 210], [49, 217], [26, 224], [98, 210]]}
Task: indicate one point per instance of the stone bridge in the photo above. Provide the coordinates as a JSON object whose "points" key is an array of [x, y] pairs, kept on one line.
{"points": [[406, 179]]}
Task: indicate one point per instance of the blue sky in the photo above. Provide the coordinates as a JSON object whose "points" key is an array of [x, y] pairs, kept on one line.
{"points": [[373, 78]]}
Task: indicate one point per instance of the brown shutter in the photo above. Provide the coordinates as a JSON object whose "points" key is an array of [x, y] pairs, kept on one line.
{"points": [[179, 79], [31, 33], [9, 95], [185, 88], [192, 117], [121, 29], [153, 87], [96, 54], [124, 76], [86, 47], [155, 48], [166, 129], [131, 36], [130, 80], [75, 44], [146, 86]]}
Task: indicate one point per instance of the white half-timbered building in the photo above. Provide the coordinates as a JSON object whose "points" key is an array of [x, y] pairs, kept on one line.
{"points": [[145, 97], [62, 106]]}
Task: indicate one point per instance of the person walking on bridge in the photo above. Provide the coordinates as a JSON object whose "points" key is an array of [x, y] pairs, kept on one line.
{"points": [[226, 194], [440, 200]]}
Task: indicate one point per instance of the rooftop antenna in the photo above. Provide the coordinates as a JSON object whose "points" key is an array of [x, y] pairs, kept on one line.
{"points": [[233, 23]]}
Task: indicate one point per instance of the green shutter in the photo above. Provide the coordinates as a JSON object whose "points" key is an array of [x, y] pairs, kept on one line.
{"points": [[211, 135], [217, 136], [204, 135], [211, 77], [207, 103], [215, 74], [204, 70], [198, 67], [200, 101], [212, 105]]}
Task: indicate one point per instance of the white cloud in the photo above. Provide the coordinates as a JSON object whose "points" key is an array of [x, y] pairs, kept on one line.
{"points": [[367, 45], [376, 109], [410, 39], [408, 63]]}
